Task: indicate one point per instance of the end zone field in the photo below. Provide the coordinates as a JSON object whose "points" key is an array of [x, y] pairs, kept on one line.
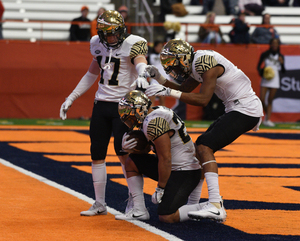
{"points": [[46, 181]]}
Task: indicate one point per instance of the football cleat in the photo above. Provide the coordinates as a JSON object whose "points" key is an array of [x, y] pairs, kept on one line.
{"points": [[201, 205], [209, 211], [268, 123], [96, 209], [134, 215]]}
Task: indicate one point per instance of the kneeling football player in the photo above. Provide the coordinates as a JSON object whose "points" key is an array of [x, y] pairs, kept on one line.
{"points": [[174, 165]]}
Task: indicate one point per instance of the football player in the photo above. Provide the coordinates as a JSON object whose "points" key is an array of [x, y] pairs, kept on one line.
{"points": [[174, 165], [243, 109], [120, 60]]}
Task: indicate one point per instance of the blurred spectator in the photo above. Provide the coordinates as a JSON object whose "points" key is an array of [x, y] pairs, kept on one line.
{"points": [[172, 28], [166, 8], [296, 3], [154, 59], [79, 30], [276, 3], [210, 32], [229, 5], [263, 34], [208, 6], [196, 2], [178, 9], [251, 7], [240, 32], [124, 12], [94, 22], [1, 14], [232, 7], [272, 62]]}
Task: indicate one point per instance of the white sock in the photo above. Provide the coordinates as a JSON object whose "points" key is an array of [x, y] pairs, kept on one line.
{"points": [[135, 185], [212, 180], [183, 211], [195, 195], [125, 175], [124, 171], [99, 180]]}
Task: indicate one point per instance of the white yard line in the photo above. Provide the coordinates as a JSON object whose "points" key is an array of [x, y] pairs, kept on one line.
{"points": [[89, 200]]}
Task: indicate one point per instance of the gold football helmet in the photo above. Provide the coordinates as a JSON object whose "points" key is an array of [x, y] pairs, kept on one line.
{"points": [[133, 108], [176, 58], [109, 24]]}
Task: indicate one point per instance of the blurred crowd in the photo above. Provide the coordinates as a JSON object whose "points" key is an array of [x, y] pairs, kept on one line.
{"points": [[82, 28], [209, 31]]}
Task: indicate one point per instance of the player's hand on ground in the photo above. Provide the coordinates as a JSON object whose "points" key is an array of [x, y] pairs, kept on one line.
{"points": [[157, 90], [152, 72], [157, 196], [128, 144], [64, 108]]}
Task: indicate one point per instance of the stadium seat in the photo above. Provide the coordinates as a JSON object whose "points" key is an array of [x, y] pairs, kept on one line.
{"points": [[45, 19], [289, 31]]}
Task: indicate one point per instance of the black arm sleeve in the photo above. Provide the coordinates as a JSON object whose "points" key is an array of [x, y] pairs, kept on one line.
{"points": [[263, 56], [282, 65]]}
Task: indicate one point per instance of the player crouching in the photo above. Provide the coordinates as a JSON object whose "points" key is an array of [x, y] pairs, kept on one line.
{"points": [[174, 165]]}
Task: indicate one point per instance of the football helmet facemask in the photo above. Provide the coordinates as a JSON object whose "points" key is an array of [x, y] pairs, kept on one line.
{"points": [[176, 58], [133, 108], [111, 24]]}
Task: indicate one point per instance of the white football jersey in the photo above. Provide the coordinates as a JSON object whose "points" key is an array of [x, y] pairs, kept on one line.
{"points": [[162, 120], [118, 72], [233, 86]]}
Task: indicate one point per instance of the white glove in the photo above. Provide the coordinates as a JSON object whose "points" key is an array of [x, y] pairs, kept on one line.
{"points": [[64, 108], [152, 72], [157, 196], [141, 82], [128, 144], [157, 90]]}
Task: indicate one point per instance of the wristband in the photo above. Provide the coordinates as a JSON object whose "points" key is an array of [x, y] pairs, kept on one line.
{"points": [[162, 80], [175, 93]]}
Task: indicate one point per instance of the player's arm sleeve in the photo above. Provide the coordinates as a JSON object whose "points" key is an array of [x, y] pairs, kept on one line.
{"points": [[138, 48], [205, 63], [84, 84], [157, 127], [283, 70], [261, 60]]}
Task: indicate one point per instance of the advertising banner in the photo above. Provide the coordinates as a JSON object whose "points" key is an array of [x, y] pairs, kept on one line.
{"points": [[287, 100]]}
